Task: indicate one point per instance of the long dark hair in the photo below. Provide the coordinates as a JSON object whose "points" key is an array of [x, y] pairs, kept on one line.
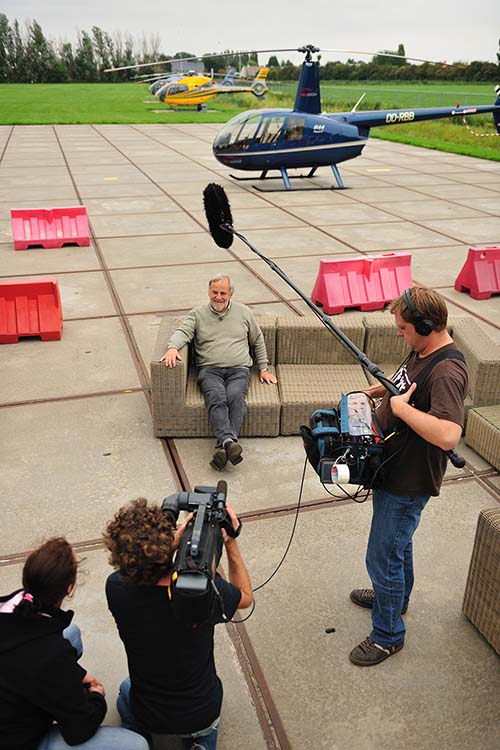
{"points": [[47, 574]]}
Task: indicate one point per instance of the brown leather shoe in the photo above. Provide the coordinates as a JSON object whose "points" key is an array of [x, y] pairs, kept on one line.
{"points": [[233, 452], [365, 598], [369, 653], [219, 459]]}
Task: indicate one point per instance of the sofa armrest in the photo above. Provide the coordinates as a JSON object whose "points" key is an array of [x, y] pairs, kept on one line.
{"points": [[482, 355], [168, 384]]}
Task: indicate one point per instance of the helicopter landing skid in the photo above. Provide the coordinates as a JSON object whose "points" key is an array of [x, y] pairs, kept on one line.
{"points": [[286, 180]]}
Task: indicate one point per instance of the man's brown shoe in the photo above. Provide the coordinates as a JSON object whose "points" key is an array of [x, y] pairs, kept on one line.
{"points": [[233, 452], [369, 653], [219, 459], [365, 597]]}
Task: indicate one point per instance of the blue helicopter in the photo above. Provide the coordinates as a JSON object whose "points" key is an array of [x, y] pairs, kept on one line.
{"points": [[282, 139]]}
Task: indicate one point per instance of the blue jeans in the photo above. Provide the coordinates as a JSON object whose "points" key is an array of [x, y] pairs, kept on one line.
{"points": [[106, 738], [206, 739], [73, 634], [224, 390], [389, 561]]}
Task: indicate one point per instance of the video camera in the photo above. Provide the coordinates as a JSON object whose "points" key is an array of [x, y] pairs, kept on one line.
{"points": [[194, 593], [345, 445]]}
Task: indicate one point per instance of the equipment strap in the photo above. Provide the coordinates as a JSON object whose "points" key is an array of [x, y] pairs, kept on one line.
{"points": [[423, 375]]}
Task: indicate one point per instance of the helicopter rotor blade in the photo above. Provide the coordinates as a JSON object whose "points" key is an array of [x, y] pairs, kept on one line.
{"points": [[302, 49], [386, 54], [200, 57]]}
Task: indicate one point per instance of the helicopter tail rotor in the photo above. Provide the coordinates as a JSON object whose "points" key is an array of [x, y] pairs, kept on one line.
{"points": [[496, 115]]}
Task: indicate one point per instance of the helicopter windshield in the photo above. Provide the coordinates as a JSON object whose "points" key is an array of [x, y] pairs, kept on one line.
{"points": [[238, 133], [254, 128], [176, 88]]}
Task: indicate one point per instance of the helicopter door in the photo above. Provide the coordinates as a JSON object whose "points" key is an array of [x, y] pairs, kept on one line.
{"points": [[294, 130], [271, 131]]}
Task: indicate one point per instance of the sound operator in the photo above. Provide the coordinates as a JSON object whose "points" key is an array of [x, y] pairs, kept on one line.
{"points": [[173, 687], [223, 333], [426, 419]]}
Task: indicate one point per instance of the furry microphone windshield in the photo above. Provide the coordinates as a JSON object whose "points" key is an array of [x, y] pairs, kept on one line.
{"points": [[218, 211]]}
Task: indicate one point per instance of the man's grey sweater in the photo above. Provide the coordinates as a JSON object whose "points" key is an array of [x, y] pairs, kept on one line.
{"points": [[222, 339]]}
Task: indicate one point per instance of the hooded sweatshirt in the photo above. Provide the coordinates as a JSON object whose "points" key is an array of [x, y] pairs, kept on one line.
{"points": [[41, 681]]}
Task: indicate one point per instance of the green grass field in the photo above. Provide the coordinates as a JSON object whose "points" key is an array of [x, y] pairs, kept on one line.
{"points": [[25, 104]]}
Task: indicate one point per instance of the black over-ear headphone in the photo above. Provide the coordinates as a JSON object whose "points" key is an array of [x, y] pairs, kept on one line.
{"points": [[423, 326]]}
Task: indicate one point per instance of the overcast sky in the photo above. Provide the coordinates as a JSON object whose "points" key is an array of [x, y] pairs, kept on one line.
{"points": [[448, 30]]}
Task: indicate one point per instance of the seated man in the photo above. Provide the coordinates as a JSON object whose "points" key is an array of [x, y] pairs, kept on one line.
{"points": [[173, 687], [223, 333]]}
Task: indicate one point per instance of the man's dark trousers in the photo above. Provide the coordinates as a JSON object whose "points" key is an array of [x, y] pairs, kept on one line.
{"points": [[224, 390]]}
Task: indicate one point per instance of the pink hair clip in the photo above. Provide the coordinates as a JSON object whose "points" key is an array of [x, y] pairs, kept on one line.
{"points": [[28, 597]]}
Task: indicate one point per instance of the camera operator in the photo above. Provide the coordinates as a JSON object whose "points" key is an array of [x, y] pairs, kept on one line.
{"points": [[425, 420], [173, 687]]}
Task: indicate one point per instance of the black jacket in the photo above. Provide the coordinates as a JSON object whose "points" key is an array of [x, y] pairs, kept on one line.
{"points": [[41, 682]]}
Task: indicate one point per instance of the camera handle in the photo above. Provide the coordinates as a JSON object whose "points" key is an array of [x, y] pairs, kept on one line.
{"points": [[198, 527], [457, 460]]}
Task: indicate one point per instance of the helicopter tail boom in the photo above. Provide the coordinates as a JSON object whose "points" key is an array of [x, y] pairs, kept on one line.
{"points": [[379, 118]]}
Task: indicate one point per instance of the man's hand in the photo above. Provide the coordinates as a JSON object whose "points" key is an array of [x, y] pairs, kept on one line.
{"points": [[267, 377], [171, 357], [400, 403], [181, 528], [93, 685], [234, 521]]}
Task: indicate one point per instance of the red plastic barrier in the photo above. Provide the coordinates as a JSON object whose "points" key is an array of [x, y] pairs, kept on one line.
{"points": [[49, 227], [480, 274], [368, 283], [30, 308]]}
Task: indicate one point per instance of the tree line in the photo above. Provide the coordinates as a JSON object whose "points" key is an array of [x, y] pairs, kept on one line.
{"points": [[28, 56]]}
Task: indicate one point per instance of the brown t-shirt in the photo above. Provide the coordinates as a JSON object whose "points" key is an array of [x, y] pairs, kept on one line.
{"points": [[417, 467]]}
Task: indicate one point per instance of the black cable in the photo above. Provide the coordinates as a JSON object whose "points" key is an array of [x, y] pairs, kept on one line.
{"points": [[291, 535], [257, 588], [244, 619]]}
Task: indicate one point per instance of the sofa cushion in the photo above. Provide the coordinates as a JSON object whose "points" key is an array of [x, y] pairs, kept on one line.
{"points": [[304, 388], [303, 341], [382, 344]]}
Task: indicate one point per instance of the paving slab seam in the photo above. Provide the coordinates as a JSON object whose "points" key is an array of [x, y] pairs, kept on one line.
{"points": [[265, 707], [493, 487], [59, 273], [150, 179], [421, 191], [415, 223], [73, 397], [190, 214], [250, 191], [490, 488], [415, 169], [139, 364], [176, 465], [6, 143], [87, 545], [129, 337], [467, 310]]}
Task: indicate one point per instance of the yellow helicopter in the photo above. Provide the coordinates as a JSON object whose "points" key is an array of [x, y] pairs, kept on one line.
{"points": [[196, 90], [193, 90]]}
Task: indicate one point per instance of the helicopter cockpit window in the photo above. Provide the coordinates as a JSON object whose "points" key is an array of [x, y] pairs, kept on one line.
{"points": [[272, 129], [247, 132], [177, 88], [294, 129], [230, 135]]}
